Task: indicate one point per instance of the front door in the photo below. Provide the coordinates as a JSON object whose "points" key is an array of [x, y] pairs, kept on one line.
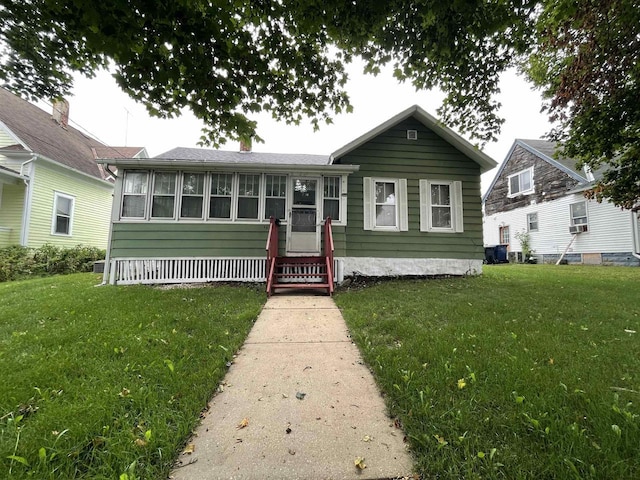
{"points": [[303, 227]]}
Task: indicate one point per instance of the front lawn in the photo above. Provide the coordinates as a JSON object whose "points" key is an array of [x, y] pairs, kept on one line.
{"points": [[531, 371], [108, 382]]}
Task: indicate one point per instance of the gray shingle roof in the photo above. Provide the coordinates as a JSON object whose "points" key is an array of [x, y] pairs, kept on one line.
{"points": [[225, 156], [42, 135]]}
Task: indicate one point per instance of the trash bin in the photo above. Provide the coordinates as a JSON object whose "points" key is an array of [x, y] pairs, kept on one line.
{"points": [[496, 254]]}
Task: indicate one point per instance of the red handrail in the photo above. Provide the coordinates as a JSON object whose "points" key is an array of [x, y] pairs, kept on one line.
{"points": [[328, 252], [272, 252]]}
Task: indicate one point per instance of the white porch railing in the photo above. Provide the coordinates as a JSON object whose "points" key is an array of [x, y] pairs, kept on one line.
{"points": [[129, 271]]}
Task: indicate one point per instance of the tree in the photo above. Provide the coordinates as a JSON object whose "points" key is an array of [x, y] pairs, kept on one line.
{"points": [[227, 60], [587, 62]]}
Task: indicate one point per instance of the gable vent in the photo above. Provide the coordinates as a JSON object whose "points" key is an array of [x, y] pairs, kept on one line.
{"points": [[412, 134]]}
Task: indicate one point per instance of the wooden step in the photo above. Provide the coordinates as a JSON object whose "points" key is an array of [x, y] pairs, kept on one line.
{"points": [[276, 274], [300, 285]]}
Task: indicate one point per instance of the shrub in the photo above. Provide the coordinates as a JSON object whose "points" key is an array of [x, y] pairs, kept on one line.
{"points": [[20, 262], [15, 262]]}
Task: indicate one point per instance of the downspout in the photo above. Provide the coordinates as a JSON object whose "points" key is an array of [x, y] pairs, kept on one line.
{"points": [[26, 209], [636, 234]]}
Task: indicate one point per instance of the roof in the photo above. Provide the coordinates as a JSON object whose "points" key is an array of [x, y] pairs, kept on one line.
{"points": [[230, 157], [102, 151], [486, 163], [9, 175], [546, 151], [36, 131]]}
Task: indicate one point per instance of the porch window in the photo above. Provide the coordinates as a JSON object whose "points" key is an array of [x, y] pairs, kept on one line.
{"points": [[62, 214], [192, 195], [532, 222], [385, 204], [134, 194], [275, 196], [521, 183], [248, 196], [221, 192], [164, 195], [441, 206], [578, 213], [331, 199]]}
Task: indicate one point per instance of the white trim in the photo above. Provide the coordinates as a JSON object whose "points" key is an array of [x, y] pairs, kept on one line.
{"points": [[369, 204], [391, 267], [531, 188], [54, 218], [586, 213], [456, 206]]}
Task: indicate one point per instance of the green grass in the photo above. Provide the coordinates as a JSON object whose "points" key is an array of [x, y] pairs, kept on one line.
{"points": [[109, 382], [530, 371]]}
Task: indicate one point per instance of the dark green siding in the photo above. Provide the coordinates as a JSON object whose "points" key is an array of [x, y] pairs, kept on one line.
{"points": [[153, 239], [391, 155]]}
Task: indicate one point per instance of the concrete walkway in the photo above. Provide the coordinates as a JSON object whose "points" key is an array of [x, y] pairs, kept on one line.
{"points": [[310, 406]]}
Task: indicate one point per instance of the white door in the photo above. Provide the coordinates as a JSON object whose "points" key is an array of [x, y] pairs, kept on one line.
{"points": [[303, 227]]}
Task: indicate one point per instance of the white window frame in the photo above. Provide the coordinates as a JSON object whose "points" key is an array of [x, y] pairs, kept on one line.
{"points": [[573, 217], [176, 176], [531, 188], [260, 213], [145, 195], [369, 204], [209, 194], [54, 219], [537, 222], [263, 197], [501, 230], [180, 192], [457, 212]]}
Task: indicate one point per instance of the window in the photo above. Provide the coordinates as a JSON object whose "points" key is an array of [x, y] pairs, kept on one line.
{"points": [[532, 222], [385, 198], [331, 198], [521, 183], [504, 235], [192, 195], [441, 206], [164, 195], [275, 196], [248, 196], [134, 194], [220, 199], [578, 213], [62, 214], [385, 204]]}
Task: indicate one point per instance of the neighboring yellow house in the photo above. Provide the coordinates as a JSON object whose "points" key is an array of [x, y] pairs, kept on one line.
{"points": [[52, 190]]}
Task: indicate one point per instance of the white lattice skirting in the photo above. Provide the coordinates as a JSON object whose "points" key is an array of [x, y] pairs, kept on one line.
{"points": [[129, 271]]}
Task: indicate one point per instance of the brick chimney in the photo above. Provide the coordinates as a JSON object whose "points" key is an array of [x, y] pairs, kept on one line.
{"points": [[61, 112], [245, 145]]}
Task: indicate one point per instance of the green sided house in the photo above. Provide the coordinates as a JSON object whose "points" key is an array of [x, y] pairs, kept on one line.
{"points": [[403, 199], [52, 190]]}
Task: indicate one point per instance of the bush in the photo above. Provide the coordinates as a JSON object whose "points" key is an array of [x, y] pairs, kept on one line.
{"points": [[20, 262]]}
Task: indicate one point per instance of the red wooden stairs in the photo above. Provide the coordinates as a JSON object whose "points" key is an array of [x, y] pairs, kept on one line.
{"points": [[296, 273]]}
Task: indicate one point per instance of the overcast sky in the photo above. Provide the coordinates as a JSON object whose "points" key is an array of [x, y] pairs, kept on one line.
{"points": [[99, 107]]}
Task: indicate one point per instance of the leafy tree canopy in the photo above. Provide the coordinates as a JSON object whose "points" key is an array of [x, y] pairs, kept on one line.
{"points": [[228, 59], [586, 61]]}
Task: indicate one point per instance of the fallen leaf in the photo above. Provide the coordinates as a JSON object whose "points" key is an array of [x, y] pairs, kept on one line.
{"points": [[124, 392], [189, 449], [140, 442], [300, 395], [366, 438], [551, 361], [359, 463], [292, 451], [461, 383], [243, 423], [284, 395]]}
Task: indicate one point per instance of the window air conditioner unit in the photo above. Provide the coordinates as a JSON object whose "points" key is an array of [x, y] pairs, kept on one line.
{"points": [[573, 229]]}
